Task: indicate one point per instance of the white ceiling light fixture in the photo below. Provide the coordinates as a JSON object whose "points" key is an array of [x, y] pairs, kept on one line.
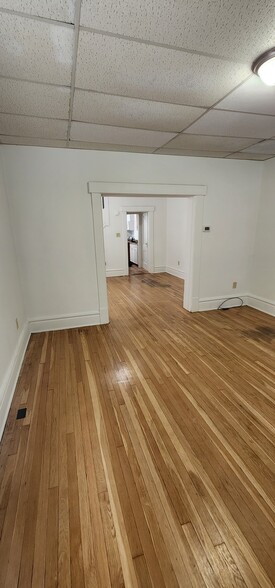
{"points": [[264, 67]]}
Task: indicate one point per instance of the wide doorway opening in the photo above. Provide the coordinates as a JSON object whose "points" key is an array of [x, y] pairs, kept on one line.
{"points": [[146, 197]]}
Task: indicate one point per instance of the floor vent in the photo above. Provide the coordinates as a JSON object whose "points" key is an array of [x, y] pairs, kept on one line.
{"points": [[21, 413]]}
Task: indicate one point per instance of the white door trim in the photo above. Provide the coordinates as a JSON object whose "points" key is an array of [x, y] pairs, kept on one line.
{"points": [[197, 192], [133, 189], [97, 219]]}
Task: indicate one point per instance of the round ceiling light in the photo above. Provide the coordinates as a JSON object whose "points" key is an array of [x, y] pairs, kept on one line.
{"points": [[264, 67]]}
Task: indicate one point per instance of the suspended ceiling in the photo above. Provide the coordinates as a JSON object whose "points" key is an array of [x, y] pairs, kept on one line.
{"points": [[152, 76]]}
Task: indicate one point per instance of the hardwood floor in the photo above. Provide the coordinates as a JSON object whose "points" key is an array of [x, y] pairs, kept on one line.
{"points": [[147, 455]]}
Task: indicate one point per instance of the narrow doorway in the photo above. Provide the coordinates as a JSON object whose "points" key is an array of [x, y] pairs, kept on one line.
{"points": [[137, 241]]}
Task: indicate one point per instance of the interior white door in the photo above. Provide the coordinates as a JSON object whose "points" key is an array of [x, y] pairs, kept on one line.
{"points": [[144, 237]]}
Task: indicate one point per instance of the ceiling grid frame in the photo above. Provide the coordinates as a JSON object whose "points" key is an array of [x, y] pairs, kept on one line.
{"points": [[75, 50], [130, 120]]}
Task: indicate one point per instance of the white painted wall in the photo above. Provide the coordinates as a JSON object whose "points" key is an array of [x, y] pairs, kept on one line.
{"points": [[263, 269], [114, 246], [178, 224], [231, 212], [12, 340], [52, 221], [51, 216]]}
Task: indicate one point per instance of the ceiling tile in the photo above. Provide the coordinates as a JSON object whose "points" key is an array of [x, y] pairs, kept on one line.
{"points": [[234, 124], [18, 97], [118, 135], [239, 29], [252, 96], [109, 147], [127, 68], [188, 152], [208, 143], [266, 147], [35, 50], [63, 10], [6, 140], [131, 112], [249, 156], [26, 126]]}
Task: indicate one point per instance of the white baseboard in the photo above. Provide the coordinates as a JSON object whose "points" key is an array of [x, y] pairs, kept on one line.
{"points": [[112, 273], [66, 321], [8, 386], [159, 269], [262, 304], [213, 303], [175, 272]]}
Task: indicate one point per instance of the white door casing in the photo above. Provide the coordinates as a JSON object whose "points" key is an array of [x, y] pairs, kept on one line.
{"points": [[140, 239], [144, 241], [196, 192]]}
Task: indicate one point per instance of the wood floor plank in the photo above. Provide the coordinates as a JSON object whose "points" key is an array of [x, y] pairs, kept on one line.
{"points": [[33, 469], [106, 452], [145, 536], [142, 572], [160, 546], [229, 571], [179, 558], [147, 454], [95, 560], [39, 560], [11, 509], [62, 459], [76, 556], [51, 570], [211, 573], [112, 551]]}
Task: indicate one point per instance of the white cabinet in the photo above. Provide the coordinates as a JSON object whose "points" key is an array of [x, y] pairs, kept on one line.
{"points": [[134, 253]]}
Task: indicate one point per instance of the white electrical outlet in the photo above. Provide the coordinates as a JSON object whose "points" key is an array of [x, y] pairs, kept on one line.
{"points": [[178, 262]]}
